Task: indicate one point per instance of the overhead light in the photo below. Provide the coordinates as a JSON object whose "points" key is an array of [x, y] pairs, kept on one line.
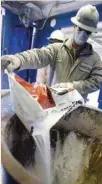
{"points": [[2, 11], [53, 23]]}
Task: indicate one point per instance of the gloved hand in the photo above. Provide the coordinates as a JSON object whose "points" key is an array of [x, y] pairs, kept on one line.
{"points": [[67, 85], [10, 62]]}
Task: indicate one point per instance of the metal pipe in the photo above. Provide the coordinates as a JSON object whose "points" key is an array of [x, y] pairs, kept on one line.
{"points": [[33, 36]]}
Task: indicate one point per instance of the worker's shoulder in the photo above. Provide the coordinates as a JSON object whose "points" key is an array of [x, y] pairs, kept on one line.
{"points": [[56, 45], [92, 54], [95, 60], [95, 57]]}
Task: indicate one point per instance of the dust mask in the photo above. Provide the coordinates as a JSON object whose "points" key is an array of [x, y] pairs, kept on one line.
{"points": [[80, 37]]}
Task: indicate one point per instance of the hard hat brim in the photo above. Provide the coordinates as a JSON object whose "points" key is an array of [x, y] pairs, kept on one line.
{"points": [[85, 27]]}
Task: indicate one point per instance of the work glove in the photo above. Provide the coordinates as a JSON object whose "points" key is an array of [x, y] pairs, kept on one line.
{"points": [[67, 85], [10, 62]]}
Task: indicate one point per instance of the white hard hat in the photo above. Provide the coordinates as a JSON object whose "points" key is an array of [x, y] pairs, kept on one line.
{"points": [[57, 35], [87, 18]]}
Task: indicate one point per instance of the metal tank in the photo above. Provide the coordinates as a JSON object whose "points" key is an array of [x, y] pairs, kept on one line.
{"points": [[76, 147]]}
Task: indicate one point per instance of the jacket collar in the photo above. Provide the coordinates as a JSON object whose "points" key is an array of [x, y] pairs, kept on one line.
{"points": [[87, 50]]}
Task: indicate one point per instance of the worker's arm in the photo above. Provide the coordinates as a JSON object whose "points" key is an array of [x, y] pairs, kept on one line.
{"points": [[93, 83], [31, 59], [37, 58]]}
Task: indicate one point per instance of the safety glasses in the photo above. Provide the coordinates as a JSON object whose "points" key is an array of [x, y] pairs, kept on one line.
{"points": [[87, 32]]}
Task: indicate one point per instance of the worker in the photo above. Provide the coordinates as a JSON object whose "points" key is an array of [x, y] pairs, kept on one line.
{"points": [[43, 74], [77, 65]]}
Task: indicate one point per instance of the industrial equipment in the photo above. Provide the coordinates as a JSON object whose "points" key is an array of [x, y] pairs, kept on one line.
{"points": [[58, 144]]}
